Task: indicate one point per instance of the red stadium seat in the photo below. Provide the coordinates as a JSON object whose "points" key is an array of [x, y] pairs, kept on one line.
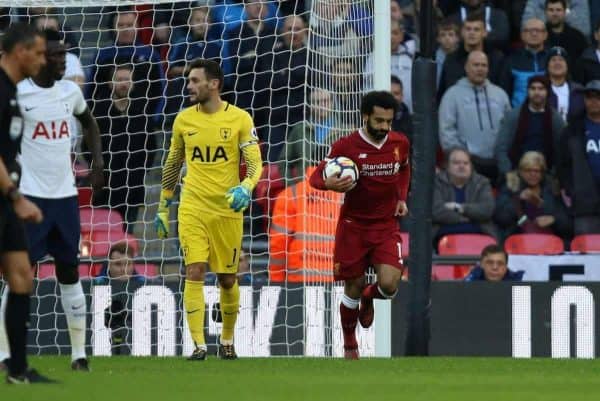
{"points": [[534, 244], [459, 244], [84, 195], [464, 244], [99, 219], [47, 271], [586, 243], [98, 243], [146, 269]]}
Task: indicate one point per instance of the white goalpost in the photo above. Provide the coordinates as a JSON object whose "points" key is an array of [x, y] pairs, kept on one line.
{"points": [[301, 74]]}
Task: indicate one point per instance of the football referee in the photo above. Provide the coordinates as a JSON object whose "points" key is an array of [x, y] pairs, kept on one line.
{"points": [[22, 57]]}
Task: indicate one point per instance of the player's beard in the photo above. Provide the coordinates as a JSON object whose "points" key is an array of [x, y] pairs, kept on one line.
{"points": [[377, 134]]}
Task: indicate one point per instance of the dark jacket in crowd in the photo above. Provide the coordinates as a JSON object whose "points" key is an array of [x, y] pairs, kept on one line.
{"points": [[454, 67], [478, 206], [574, 171], [477, 274], [576, 105], [403, 121], [512, 133], [570, 39], [587, 68], [510, 208], [127, 150], [518, 68]]}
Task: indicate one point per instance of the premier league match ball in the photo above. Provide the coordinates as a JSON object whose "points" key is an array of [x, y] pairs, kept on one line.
{"points": [[342, 167]]}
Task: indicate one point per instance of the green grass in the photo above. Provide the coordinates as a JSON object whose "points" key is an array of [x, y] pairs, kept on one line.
{"points": [[290, 379]]}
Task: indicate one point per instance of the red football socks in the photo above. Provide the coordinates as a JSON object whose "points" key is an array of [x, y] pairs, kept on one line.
{"points": [[349, 318]]}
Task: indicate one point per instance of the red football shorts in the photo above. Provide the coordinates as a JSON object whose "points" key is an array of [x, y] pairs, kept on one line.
{"points": [[357, 247]]}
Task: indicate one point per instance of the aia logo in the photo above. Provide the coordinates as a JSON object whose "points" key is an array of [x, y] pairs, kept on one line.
{"points": [[54, 130]]}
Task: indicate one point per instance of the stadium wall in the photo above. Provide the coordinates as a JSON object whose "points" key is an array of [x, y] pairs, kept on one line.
{"points": [[529, 319]]}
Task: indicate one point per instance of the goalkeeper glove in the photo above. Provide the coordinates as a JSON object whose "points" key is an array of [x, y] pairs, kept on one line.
{"points": [[238, 198], [161, 221]]}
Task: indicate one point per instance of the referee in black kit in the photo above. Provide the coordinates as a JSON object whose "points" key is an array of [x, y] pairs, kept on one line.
{"points": [[23, 55]]}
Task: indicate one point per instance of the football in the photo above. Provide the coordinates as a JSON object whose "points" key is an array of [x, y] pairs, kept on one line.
{"points": [[342, 167]]}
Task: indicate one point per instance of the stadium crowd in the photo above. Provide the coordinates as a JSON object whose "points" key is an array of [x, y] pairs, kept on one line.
{"points": [[518, 92]]}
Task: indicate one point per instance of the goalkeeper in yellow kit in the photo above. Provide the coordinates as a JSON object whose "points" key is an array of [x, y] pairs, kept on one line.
{"points": [[211, 136]]}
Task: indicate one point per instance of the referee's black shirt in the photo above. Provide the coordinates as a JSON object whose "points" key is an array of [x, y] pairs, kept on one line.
{"points": [[11, 122]]}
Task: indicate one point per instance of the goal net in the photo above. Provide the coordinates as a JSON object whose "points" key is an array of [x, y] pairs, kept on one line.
{"points": [[298, 68]]}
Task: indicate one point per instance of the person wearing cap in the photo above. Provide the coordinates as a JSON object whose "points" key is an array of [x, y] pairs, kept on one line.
{"points": [[587, 67], [566, 96], [533, 126], [560, 32], [579, 163]]}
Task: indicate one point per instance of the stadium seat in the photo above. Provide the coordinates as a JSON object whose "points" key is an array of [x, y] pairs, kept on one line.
{"points": [[534, 244], [99, 219], [586, 243], [459, 244], [98, 243], [464, 244], [47, 271], [84, 195]]}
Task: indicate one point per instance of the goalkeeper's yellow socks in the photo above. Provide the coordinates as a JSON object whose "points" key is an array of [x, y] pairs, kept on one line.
{"points": [[230, 305], [193, 300]]}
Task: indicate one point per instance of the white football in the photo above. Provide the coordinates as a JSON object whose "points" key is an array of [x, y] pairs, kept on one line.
{"points": [[341, 166]]}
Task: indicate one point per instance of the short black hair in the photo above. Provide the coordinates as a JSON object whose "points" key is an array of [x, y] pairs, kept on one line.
{"points": [[383, 99], [494, 248], [212, 69], [52, 35], [563, 2], [19, 33], [395, 80], [476, 16]]}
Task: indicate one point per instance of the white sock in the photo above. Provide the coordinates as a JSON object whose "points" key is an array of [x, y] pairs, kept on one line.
{"points": [[350, 303], [4, 348], [73, 303]]}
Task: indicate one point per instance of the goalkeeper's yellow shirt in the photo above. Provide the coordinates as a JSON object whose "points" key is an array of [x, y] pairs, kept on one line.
{"points": [[212, 145]]}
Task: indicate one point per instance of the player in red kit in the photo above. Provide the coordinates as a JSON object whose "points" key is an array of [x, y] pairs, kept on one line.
{"points": [[367, 232]]}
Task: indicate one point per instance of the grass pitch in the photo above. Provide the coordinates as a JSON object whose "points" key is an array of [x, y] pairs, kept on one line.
{"points": [[290, 379]]}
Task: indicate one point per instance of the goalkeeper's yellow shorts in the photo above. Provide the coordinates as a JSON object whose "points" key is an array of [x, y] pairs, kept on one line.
{"points": [[211, 238]]}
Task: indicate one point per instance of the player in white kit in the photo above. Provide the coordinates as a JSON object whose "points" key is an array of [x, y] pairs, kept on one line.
{"points": [[47, 104]]}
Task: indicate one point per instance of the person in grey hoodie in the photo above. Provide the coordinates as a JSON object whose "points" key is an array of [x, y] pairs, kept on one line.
{"points": [[470, 114]]}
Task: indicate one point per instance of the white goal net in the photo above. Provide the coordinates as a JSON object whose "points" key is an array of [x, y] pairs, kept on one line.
{"points": [[298, 68]]}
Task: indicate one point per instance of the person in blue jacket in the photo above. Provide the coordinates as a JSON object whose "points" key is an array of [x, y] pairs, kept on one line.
{"points": [[493, 266]]}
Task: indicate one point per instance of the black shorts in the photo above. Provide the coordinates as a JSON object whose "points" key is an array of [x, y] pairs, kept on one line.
{"points": [[12, 229], [58, 234]]}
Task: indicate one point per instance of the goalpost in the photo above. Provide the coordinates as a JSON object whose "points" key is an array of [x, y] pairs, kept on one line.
{"points": [[145, 316]]}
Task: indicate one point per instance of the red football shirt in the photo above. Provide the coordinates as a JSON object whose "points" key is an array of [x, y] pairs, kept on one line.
{"points": [[384, 176]]}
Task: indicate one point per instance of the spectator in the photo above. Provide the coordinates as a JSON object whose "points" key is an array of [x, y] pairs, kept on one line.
{"points": [[560, 33], [462, 199], [447, 40], [496, 21], [302, 233], [127, 144], [196, 44], [288, 83], [410, 13], [587, 68], [251, 48], [470, 114], [566, 96], [403, 52], [526, 62], [528, 202], [347, 87], [396, 12], [120, 265], [579, 169], [402, 119], [533, 126], [493, 266], [74, 70], [147, 73], [578, 16], [473, 34], [308, 142]]}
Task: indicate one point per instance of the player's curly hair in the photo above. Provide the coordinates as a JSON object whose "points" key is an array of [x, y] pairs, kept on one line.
{"points": [[383, 99]]}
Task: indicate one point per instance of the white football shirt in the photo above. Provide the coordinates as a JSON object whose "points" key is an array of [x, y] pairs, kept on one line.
{"points": [[45, 156]]}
